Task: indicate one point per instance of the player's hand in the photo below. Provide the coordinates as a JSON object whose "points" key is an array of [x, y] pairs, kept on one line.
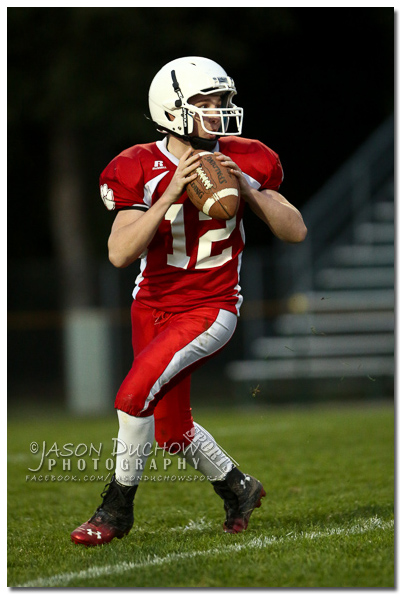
{"points": [[182, 176], [235, 169]]}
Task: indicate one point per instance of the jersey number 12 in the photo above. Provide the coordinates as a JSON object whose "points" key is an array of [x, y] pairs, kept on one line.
{"points": [[180, 259]]}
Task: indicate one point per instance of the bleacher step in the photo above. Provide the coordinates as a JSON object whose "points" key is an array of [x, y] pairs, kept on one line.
{"points": [[258, 370], [323, 346], [375, 233], [363, 255], [335, 323], [384, 211], [340, 300], [359, 277]]}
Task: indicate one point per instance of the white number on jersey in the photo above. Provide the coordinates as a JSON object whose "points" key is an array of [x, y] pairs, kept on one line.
{"points": [[180, 259]]}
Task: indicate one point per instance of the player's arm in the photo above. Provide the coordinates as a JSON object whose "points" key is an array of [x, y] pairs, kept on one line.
{"points": [[284, 220], [133, 230]]}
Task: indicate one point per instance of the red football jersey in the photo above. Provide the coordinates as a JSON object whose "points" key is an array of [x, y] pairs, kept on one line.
{"points": [[193, 260]]}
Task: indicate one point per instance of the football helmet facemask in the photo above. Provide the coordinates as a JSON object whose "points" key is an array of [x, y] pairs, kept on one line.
{"points": [[180, 80]]}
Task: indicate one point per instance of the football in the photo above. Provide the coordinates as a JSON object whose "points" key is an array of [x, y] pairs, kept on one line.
{"points": [[215, 191]]}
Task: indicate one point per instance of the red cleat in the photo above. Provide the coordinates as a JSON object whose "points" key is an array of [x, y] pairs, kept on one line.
{"points": [[114, 518], [99, 529]]}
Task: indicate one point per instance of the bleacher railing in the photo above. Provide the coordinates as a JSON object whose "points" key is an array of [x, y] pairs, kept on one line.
{"points": [[337, 208]]}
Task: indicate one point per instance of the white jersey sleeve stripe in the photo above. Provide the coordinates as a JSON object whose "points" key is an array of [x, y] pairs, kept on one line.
{"points": [[150, 186]]}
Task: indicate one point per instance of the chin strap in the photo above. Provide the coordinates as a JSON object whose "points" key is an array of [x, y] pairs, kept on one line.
{"points": [[201, 143], [195, 141]]}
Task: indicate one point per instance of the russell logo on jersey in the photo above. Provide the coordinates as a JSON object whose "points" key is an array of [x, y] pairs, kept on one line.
{"points": [[159, 165]]}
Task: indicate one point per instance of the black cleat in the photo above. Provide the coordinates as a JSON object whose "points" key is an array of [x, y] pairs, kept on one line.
{"points": [[241, 495]]}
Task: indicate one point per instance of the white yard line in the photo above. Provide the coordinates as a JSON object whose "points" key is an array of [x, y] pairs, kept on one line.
{"points": [[62, 580], [199, 525]]}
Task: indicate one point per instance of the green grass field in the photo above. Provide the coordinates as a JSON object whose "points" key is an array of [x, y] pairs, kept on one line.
{"points": [[327, 520]]}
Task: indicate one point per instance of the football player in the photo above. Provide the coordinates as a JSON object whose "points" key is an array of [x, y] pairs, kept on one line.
{"points": [[187, 296]]}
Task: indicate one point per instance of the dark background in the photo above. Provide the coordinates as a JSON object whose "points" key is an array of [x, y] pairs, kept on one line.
{"points": [[313, 82]]}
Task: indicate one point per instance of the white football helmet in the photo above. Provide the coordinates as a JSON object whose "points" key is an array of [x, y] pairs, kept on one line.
{"points": [[181, 79]]}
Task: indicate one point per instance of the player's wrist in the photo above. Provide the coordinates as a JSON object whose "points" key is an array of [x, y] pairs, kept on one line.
{"points": [[169, 198], [247, 193]]}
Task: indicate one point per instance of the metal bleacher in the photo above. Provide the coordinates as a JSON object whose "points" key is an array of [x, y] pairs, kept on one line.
{"points": [[337, 289]]}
